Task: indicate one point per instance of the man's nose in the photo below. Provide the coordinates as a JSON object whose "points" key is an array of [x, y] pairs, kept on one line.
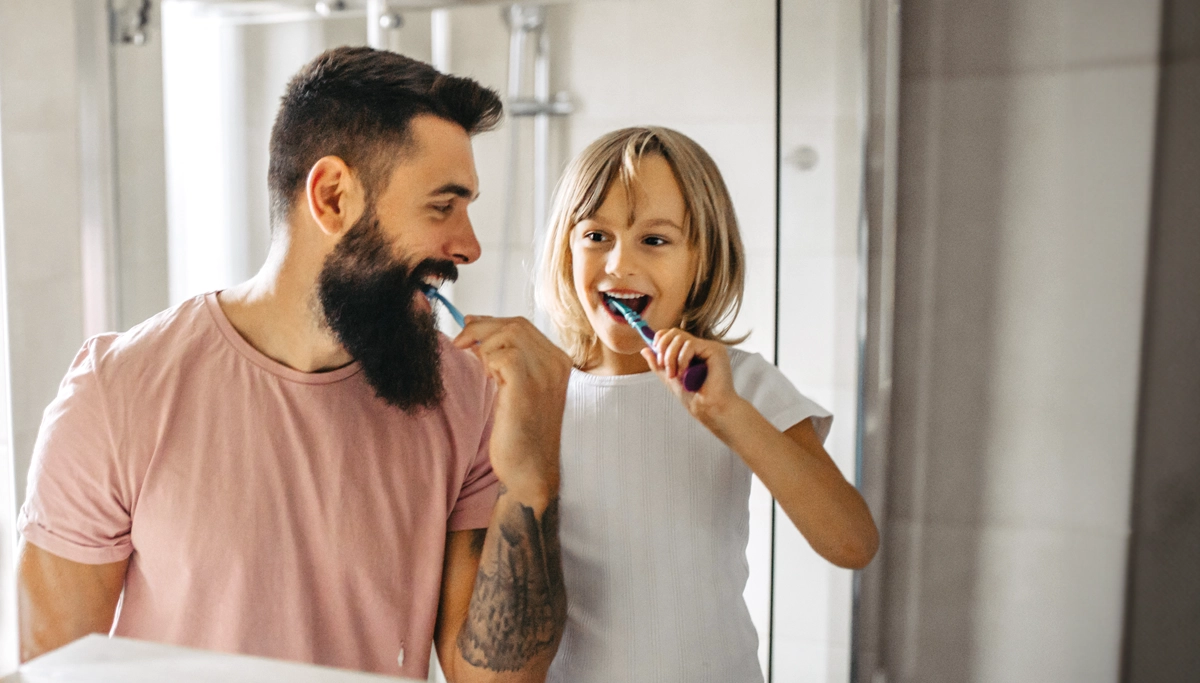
{"points": [[463, 247]]}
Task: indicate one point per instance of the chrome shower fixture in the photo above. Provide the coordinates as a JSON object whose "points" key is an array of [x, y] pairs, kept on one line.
{"points": [[129, 22], [381, 17], [527, 24], [391, 21], [526, 18], [328, 8]]}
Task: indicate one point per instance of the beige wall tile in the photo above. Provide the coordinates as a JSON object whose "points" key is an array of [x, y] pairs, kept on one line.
{"points": [[45, 326], [41, 186], [1049, 605], [1004, 604], [1181, 31], [41, 207], [993, 37], [1027, 206]]}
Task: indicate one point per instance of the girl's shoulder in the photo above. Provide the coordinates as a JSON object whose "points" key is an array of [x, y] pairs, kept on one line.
{"points": [[774, 395], [750, 366]]}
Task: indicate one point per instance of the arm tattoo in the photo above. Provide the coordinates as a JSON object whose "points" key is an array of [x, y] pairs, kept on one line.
{"points": [[519, 604]]}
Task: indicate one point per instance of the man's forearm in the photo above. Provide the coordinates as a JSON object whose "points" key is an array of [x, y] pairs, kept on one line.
{"points": [[519, 604]]}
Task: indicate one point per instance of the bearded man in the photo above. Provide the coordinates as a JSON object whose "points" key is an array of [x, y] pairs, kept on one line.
{"points": [[301, 466]]}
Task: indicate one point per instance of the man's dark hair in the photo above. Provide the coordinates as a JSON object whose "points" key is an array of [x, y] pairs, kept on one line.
{"points": [[356, 103]]}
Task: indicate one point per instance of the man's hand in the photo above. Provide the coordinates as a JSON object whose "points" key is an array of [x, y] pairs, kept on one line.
{"points": [[531, 375], [510, 628], [61, 601]]}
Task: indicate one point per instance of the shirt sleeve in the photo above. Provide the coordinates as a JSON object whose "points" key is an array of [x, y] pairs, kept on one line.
{"points": [[477, 498], [768, 390], [75, 506]]}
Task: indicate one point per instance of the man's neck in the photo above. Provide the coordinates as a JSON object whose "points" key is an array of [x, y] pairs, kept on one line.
{"points": [[277, 313]]}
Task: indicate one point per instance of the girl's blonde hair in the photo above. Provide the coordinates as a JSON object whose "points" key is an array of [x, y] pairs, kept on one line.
{"points": [[710, 228]]}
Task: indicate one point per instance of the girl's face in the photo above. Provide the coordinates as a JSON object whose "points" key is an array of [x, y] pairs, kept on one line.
{"points": [[647, 263]]}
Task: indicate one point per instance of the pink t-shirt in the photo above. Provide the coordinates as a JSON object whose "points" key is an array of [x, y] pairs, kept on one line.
{"points": [[264, 510]]}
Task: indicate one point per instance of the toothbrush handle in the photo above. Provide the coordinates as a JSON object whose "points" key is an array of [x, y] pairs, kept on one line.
{"points": [[693, 378]]}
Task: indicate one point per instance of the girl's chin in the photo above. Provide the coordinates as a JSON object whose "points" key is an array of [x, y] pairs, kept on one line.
{"points": [[625, 347]]}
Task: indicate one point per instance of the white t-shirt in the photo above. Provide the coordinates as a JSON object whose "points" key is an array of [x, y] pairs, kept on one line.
{"points": [[654, 525]]}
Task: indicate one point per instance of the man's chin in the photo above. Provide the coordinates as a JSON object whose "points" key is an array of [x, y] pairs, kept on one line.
{"points": [[408, 375], [374, 307]]}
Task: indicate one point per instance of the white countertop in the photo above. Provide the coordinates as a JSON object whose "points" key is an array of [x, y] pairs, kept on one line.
{"points": [[100, 659]]}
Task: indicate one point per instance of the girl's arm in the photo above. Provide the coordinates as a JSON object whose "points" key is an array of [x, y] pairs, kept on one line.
{"points": [[826, 509]]}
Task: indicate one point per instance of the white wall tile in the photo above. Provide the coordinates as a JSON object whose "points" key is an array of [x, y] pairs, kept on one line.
{"points": [[45, 326], [617, 47], [39, 115], [39, 66], [41, 170], [141, 204], [757, 317], [812, 661], [758, 556]]}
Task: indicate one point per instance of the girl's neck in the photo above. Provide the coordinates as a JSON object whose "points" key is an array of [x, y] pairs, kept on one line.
{"points": [[607, 362]]}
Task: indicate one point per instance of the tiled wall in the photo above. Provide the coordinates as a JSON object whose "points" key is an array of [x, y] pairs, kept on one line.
{"points": [[1164, 595], [39, 116], [1026, 141], [141, 201], [42, 159], [8, 535]]}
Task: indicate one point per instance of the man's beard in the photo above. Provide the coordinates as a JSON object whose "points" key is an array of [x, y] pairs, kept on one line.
{"points": [[367, 300]]}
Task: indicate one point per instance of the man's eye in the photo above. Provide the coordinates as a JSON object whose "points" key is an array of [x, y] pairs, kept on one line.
{"points": [[443, 208]]}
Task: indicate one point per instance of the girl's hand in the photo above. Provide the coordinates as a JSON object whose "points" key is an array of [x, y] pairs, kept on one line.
{"points": [[675, 351]]}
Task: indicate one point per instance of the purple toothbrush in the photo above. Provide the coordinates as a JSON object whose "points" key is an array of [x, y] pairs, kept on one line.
{"points": [[697, 371]]}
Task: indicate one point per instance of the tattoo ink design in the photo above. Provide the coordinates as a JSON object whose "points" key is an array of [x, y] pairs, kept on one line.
{"points": [[519, 604]]}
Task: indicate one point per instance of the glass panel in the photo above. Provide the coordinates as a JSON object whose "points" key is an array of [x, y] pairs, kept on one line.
{"points": [[772, 89], [822, 105]]}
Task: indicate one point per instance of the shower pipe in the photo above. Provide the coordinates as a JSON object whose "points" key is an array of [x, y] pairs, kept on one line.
{"points": [[526, 22]]}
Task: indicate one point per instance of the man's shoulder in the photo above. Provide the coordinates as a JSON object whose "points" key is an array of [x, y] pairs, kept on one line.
{"points": [[156, 340], [466, 382], [460, 366]]}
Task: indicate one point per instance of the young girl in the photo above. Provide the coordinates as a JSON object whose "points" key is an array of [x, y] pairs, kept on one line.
{"points": [[656, 480]]}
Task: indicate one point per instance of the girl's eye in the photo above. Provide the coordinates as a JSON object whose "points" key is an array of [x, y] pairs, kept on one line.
{"points": [[593, 236], [655, 241]]}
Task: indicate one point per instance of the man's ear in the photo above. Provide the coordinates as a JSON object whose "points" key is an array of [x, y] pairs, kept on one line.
{"points": [[336, 196]]}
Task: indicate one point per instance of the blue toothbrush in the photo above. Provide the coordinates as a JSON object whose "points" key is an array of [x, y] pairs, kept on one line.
{"points": [[433, 295], [697, 371]]}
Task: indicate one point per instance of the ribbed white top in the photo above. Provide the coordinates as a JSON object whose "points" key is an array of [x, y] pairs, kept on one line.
{"points": [[654, 526]]}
